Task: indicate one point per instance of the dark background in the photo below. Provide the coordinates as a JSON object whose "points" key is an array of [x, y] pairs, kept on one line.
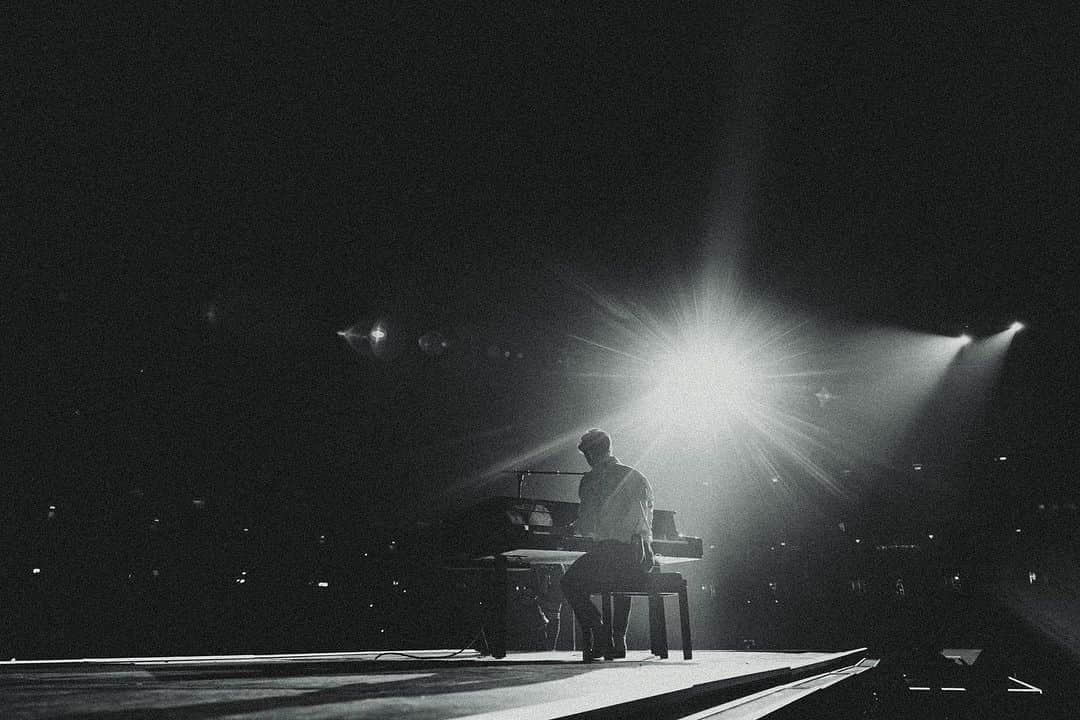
{"points": [[199, 202]]}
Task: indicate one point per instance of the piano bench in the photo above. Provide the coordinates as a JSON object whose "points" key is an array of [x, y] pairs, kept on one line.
{"points": [[656, 586]]}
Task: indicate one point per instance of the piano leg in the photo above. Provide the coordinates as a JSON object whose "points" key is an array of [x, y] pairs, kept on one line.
{"points": [[500, 587]]}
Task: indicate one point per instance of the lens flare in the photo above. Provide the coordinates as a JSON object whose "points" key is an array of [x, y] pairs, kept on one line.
{"points": [[701, 384]]}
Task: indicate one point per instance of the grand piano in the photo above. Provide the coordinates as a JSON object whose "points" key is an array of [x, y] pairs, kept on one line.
{"points": [[502, 533]]}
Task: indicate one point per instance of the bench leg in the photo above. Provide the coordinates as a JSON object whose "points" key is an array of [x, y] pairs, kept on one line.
{"points": [[658, 625], [684, 620]]}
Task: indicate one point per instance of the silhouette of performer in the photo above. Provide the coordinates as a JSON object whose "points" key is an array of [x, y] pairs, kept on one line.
{"points": [[616, 508]]}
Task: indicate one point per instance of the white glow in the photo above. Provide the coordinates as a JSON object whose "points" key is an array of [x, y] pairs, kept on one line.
{"points": [[725, 387], [36, 571], [1017, 326], [377, 333], [323, 584], [702, 386], [964, 339]]}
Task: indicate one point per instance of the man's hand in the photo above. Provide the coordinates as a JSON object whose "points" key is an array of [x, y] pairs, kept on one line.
{"points": [[646, 552]]}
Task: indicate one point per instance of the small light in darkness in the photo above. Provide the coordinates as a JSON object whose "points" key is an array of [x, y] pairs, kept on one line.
{"points": [[36, 571], [1002, 458], [930, 536], [323, 584], [1017, 326]]}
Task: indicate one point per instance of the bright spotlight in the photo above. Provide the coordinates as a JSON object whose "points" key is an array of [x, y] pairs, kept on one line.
{"points": [[377, 333], [1017, 326], [964, 339], [703, 386]]}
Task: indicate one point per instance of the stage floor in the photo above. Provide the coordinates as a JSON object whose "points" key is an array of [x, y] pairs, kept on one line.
{"points": [[522, 686]]}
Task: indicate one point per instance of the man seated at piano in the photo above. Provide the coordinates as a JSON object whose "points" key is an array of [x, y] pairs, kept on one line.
{"points": [[616, 509]]}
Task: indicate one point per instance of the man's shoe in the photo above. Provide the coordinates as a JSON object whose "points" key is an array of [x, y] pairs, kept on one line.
{"points": [[597, 645], [618, 648]]}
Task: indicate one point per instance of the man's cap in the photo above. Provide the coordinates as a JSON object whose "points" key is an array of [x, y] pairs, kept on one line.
{"points": [[594, 438]]}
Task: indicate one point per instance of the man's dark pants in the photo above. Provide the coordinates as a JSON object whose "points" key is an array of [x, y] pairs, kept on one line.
{"points": [[611, 562]]}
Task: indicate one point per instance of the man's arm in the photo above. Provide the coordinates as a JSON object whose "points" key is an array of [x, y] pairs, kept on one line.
{"points": [[585, 524], [644, 524]]}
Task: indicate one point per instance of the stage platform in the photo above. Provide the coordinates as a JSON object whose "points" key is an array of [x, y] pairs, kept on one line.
{"points": [[428, 685]]}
